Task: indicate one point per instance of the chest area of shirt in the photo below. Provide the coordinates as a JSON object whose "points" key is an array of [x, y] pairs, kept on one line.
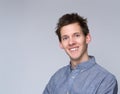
{"points": [[77, 82]]}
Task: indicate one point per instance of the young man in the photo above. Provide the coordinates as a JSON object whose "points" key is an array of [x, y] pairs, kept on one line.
{"points": [[83, 75]]}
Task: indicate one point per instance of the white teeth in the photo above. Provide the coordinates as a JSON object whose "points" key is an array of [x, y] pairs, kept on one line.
{"points": [[73, 49]]}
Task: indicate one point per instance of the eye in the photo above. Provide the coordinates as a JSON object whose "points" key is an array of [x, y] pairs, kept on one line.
{"points": [[64, 37], [77, 35]]}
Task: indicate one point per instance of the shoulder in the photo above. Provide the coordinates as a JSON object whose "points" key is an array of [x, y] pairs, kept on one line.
{"points": [[60, 72], [103, 72], [108, 82], [54, 80]]}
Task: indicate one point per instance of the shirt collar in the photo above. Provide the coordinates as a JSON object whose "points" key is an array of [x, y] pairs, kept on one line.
{"points": [[85, 65]]}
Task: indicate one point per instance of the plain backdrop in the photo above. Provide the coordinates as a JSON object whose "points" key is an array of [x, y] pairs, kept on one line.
{"points": [[29, 48]]}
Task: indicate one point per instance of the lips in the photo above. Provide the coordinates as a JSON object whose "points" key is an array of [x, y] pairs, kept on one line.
{"points": [[74, 49]]}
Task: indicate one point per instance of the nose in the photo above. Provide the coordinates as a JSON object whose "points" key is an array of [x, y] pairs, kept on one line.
{"points": [[71, 41]]}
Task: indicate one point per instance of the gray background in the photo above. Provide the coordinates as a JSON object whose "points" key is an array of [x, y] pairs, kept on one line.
{"points": [[29, 48]]}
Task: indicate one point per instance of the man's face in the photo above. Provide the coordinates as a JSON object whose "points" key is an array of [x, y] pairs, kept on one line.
{"points": [[74, 42]]}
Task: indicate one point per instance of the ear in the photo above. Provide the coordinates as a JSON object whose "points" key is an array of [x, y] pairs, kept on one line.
{"points": [[88, 38], [60, 44]]}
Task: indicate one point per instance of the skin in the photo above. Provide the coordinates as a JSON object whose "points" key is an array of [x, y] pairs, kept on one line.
{"points": [[75, 43]]}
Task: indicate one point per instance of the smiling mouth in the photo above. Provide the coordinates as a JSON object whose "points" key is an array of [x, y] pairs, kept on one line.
{"points": [[74, 49]]}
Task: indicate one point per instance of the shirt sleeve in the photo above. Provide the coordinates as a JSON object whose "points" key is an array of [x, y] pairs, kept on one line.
{"points": [[108, 85], [47, 90], [49, 87]]}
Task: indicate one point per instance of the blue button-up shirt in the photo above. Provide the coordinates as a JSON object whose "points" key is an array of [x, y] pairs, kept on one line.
{"points": [[87, 78]]}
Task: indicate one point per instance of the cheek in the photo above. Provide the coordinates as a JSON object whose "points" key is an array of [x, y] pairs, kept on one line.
{"points": [[62, 45], [83, 44]]}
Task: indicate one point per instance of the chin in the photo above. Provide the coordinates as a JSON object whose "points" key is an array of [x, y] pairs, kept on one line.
{"points": [[75, 58]]}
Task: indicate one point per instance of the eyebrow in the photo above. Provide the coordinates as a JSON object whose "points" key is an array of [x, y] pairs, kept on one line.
{"points": [[64, 36], [77, 33], [73, 34]]}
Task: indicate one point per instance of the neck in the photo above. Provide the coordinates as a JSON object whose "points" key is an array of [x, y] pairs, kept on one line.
{"points": [[75, 62]]}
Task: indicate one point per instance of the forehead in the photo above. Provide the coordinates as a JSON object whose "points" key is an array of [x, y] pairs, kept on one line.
{"points": [[71, 29]]}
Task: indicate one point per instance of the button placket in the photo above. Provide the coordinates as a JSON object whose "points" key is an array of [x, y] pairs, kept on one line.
{"points": [[72, 76]]}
